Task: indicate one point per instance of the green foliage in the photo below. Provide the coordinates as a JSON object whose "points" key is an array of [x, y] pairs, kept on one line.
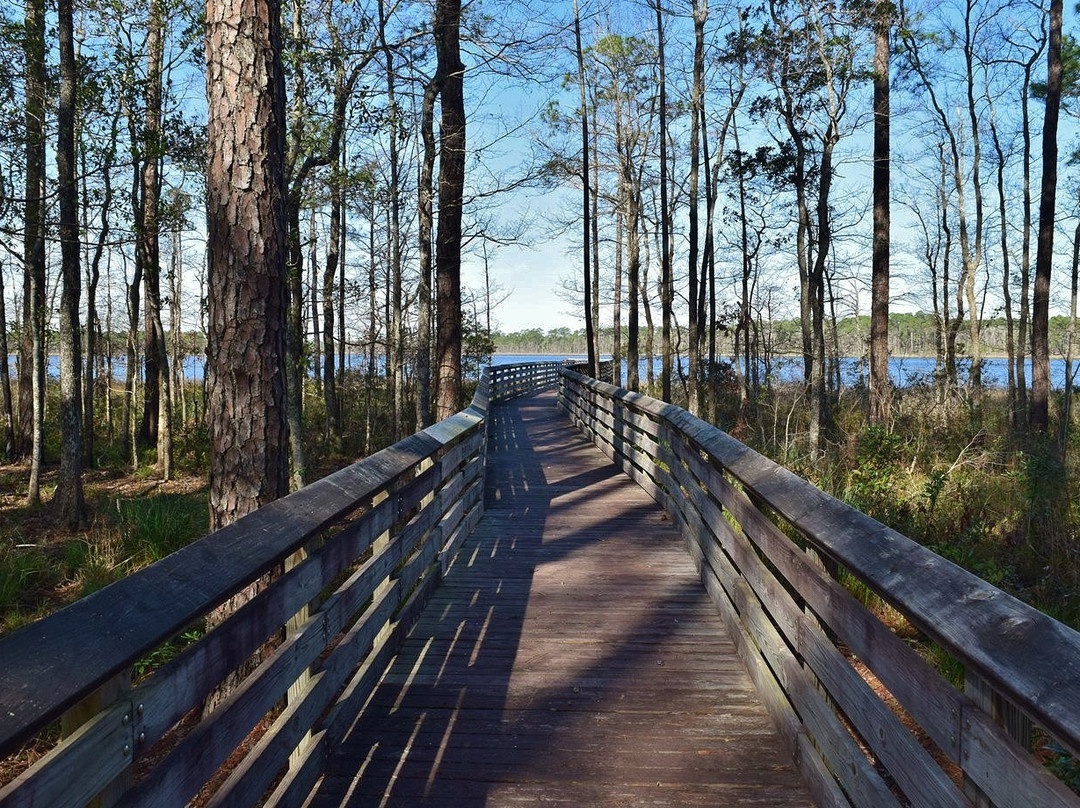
{"points": [[874, 484], [164, 653], [477, 346], [155, 527], [1063, 765], [18, 567]]}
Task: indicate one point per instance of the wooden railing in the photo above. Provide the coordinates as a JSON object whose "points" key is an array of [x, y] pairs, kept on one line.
{"points": [[508, 381], [867, 719], [607, 367], [341, 567]]}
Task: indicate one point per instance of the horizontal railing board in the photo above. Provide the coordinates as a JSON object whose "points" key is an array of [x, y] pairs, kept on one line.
{"points": [[1028, 656], [429, 483], [105, 633], [684, 469]]}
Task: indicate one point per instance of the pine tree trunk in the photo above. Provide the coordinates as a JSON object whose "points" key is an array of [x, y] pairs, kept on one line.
{"points": [[880, 383], [329, 375], [666, 284], [7, 412], [697, 98], [1040, 303], [586, 191], [451, 189], [425, 227], [32, 363], [246, 229], [68, 501], [314, 285], [294, 343]]}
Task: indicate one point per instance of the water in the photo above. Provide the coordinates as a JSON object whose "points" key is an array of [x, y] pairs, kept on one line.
{"points": [[905, 371]]}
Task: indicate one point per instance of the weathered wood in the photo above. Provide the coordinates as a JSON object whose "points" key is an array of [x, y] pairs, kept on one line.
{"points": [[97, 753], [916, 773], [961, 613], [849, 763], [180, 775], [403, 494], [531, 675], [102, 635]]}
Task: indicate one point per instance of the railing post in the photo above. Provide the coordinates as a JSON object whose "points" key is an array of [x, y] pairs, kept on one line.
{"points": [[1004, 713], [113, 691], [297, 688]]}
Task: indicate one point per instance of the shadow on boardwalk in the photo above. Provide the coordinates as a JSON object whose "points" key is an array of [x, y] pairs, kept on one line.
{"points": [[570, 657]]}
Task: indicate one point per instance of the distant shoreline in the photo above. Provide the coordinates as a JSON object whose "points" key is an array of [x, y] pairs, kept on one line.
{"points": [[960, 357]]}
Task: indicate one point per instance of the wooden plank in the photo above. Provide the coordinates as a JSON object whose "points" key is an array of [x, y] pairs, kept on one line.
{"points": [[530, 666], [298, 782], [917, 774], [179, 776], [1004, 770], [184, 683], [73, 774], [816, 775], [842, 755], [1028, 656], [933, 703], [255, 774], [100, 636]]}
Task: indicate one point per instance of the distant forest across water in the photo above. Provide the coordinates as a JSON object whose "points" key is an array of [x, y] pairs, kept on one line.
{"points": [[910, 334]]}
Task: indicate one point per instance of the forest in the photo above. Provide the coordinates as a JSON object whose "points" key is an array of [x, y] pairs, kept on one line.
{"points": [[320, 212]]}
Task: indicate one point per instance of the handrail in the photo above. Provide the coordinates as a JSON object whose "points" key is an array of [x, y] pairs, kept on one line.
{"points": [[805, 638], [508, 381], [377, 536]]}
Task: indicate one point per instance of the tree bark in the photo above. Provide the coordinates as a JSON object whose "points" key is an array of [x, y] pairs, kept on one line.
{"points": [[880, 383], [329, 376], [697, 99], [92, 280], [397, 308], [425, 227], [1040, 303], [1006, 270], [7, 412], [246, 251], [666, 284], [1022, 329], [590, 336], [158, 412], [32, 364], [451, 190], [68, 502]]}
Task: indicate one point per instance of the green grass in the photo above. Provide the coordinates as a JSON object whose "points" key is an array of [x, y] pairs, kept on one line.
{"points": [[125, 535], [155, 527]]}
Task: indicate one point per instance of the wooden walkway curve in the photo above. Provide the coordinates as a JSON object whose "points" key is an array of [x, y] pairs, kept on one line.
{"points": [[571, 656]]}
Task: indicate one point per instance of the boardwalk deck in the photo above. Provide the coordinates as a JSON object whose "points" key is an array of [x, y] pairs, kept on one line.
{"points": [[570, 657]]}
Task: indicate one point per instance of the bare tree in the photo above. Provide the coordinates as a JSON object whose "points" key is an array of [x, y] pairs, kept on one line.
{"points": [[68, 501], [451, 189], [880, 382], [1040, 302], [32, 364], [586, 193]]}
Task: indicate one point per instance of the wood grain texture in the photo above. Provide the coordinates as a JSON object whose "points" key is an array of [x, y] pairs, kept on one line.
{"points": [[792, 612], [410, 499], [570, 656]]}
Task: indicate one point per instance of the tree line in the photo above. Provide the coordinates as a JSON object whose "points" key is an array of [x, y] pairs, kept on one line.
{"points": [[284, 185], [910, 335], [290, 182], [736, 167]]}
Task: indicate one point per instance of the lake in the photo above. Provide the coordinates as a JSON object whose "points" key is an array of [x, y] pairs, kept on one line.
{"points": [[905, 371]]}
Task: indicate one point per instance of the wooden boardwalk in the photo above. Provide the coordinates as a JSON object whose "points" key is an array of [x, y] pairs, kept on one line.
{"points": [[571, 657]]}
